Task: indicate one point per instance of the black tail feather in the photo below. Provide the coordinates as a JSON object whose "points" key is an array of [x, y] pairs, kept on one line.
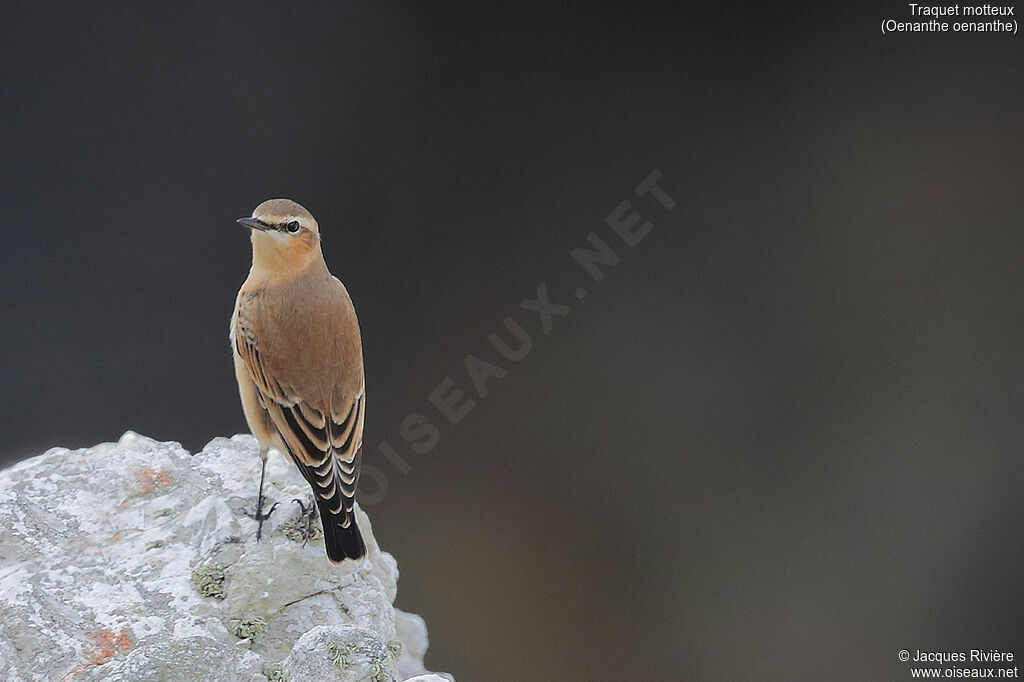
{"points": [[342, 543]]}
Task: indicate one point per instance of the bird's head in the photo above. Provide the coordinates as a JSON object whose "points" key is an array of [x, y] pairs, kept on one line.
{"points": [[285, 237]]}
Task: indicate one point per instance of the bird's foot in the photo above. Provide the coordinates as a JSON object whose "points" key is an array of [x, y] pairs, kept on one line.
{"points": [[308, 511], [259, 516]]}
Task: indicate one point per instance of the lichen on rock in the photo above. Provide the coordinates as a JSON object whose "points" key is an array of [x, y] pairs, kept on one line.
{"points": [[295, 528], [341, 653], [248, 628], [136, 560], [208, 579]]}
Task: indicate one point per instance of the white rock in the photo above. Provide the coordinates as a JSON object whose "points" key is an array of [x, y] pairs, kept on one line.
{"points": [[134, 561], [341, 653], [197, 659]]}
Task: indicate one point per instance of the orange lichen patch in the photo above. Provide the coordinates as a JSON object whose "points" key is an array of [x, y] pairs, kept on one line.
{"points": [[101, 645], [149, 480]]}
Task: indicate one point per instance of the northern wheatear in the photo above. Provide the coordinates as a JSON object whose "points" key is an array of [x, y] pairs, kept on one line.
{"points": [[299, 364]]}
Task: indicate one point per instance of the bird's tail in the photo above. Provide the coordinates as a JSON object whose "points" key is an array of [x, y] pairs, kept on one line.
{"points": [[342, 543]]}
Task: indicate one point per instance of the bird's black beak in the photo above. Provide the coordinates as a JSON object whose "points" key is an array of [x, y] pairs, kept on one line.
{"points": [[253, 223]]}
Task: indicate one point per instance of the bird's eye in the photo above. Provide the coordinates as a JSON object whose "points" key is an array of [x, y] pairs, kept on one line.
{"points": [[293, 226]]}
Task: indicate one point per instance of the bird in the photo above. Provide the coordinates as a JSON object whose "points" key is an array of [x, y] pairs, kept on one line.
{"points": [[299, 365]]}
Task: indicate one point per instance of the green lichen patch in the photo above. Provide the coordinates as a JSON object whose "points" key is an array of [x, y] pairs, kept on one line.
{"points": [[295, 529], [273, 673], [155, 544], [248, 628], [379, 668], [209, 580], [340, 653]]}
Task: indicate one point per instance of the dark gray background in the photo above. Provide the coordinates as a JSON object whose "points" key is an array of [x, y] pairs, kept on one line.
{"points": [[780, 440]]}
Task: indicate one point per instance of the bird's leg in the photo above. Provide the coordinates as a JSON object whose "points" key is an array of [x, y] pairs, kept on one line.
{"points": [[308, 511], [259, 516]]}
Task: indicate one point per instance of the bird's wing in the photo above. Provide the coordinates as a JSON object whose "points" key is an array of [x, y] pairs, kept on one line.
{"points": [[324, 440]]}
